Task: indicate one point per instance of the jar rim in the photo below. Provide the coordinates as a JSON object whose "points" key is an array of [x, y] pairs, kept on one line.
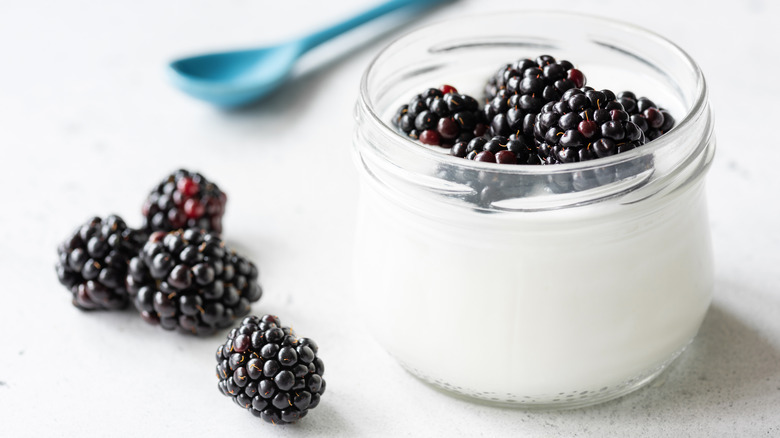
{"points": [[665, 141]]}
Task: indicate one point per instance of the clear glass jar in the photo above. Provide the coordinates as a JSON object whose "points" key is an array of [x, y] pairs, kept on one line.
{"points": [[533, 286]]}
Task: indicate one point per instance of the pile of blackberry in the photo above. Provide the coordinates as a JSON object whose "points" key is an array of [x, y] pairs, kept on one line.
{"points": [[184, 200], [265, 368], [528, 119], [583, 125], [189, 280], [441, 117], [93, 262]]}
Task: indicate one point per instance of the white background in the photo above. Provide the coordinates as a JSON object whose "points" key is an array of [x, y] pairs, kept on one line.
{"points": [[88, 124]]}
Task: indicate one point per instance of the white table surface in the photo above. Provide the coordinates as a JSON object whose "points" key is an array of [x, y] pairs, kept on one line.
{"points": [[88, 124]]}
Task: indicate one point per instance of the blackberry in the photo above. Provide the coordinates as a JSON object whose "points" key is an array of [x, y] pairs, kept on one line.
{"points": [[651, 119], [93, 262], [265, 368], [517, 92], [441, 117], [184, 200], [188, 279], [489, 187], [583, 125], [498, 149]]}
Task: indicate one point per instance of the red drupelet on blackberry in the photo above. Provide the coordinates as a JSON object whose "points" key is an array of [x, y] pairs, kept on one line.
{"points": [[185, 200], [188, 279], [651, 119], [583, 125], [93, 262], [265, 368], [441, 117]]}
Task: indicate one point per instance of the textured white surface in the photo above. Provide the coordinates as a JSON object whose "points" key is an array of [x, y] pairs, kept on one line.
{"points": [[88, 124]]}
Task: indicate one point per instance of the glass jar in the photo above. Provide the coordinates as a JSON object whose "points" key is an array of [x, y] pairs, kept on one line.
{"points": [[533, 286]]}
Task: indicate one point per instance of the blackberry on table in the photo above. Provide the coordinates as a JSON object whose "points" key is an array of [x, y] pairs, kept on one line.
{"points": [[185, 200], [651, 119], [441, 117], [265, 368], [518, 91], [583, 125], [188, 279], [93, 262]]}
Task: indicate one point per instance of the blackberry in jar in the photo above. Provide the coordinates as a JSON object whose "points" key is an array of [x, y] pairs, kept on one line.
{"points": [[441, 117], [583, 125], [651, 119], [545, 77], [518, 91]]}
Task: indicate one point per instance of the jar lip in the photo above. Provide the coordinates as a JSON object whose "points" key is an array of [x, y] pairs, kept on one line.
{"points": [[651, 147]]}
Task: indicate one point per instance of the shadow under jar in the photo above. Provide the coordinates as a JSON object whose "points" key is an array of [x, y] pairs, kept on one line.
{"points": [[534, 286]]}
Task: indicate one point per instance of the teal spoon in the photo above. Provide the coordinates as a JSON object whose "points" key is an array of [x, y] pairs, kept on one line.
{"points": [[232, 79]]}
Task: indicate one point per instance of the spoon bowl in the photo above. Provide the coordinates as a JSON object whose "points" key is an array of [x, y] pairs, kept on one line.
{"points": [[230, 79]]}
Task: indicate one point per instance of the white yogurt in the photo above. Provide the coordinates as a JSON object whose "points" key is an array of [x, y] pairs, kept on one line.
{"points": [[540, 305]]}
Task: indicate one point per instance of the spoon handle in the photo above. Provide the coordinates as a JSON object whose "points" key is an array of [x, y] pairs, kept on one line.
{"points": [[310, 41]]}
